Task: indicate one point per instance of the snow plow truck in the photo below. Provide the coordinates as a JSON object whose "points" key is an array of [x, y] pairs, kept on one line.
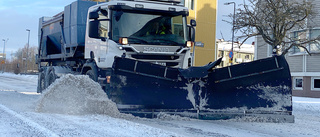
{"points": [[139, 52]]}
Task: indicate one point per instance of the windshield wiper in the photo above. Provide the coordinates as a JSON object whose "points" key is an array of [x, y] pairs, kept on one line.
{"points": [[141, 41], [169, 41]]}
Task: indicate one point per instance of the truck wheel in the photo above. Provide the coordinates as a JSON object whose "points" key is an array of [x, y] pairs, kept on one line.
{"points": [[41, 84], [51, 77], [92, 75]]}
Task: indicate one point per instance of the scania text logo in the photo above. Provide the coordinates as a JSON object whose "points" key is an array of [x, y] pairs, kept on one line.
{"points": [[155, 49]]}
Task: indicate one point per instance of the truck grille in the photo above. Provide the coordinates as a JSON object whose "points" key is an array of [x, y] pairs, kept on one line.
{"points": [[166, 60], [155, 57]]}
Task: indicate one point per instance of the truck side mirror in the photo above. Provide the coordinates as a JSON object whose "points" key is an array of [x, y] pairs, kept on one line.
{"points": [[94, 29], [93, 15], [193, 23], [192, 31], [192, 34]]}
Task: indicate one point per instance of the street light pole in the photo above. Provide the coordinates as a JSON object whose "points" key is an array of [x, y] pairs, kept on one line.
{"points": [[26, 70], [4, 49], [4, 45], [233, 22]]}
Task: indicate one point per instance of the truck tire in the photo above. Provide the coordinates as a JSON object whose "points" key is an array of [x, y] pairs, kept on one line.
{"points": [[50, 78], [92, 75], [41, 84]]}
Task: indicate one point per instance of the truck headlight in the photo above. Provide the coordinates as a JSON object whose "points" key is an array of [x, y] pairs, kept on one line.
{"points": [[123, 41]]}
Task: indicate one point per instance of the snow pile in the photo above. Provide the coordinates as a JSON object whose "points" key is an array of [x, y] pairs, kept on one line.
{"points": [[165, 116], [76, 95], [263, 119]]}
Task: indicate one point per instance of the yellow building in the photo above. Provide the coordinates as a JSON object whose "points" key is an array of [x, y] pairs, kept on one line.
{"points": [[204, 12]]}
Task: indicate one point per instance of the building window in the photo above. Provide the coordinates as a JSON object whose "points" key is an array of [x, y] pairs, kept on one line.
{"points": [[247, 57], [298, 83], [303, 36], [188, 3], [299, 36], [221, 54], [315, 83], [314, 46], [191, 4]]}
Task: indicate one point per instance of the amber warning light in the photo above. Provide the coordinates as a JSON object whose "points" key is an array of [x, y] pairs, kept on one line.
{"points": [[123, 41]]}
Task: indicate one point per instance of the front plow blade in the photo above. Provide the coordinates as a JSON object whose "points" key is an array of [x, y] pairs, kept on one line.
{"points": [[260, 88]]}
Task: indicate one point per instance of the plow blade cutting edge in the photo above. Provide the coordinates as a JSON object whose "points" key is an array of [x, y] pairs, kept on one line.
{"points": [[261, 89]]}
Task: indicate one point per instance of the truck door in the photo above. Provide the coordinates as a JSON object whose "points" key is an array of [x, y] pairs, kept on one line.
{"points": [[98, 42]]}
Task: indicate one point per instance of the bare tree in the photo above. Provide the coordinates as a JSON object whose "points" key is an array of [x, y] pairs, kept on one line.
{"points": [[17, 63], [273, 20]]}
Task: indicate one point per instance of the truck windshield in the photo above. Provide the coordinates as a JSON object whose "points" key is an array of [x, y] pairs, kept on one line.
{"points": [[149, 29]]}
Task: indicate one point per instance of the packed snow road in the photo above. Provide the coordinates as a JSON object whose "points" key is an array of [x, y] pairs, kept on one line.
{"points": [[18, 117]]}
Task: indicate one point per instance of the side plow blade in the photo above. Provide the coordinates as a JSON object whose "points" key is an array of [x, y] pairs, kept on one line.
{"points": [[260, 89]]}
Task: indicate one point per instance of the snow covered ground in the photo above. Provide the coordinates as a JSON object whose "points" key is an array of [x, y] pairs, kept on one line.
{"points": [[18, 117]]}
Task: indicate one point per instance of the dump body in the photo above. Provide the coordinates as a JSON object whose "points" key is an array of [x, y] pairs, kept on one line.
{"points": [[63, 36]]}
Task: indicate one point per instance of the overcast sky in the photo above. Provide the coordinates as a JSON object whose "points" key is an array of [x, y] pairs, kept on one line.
{"points": [[18, 15]]}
